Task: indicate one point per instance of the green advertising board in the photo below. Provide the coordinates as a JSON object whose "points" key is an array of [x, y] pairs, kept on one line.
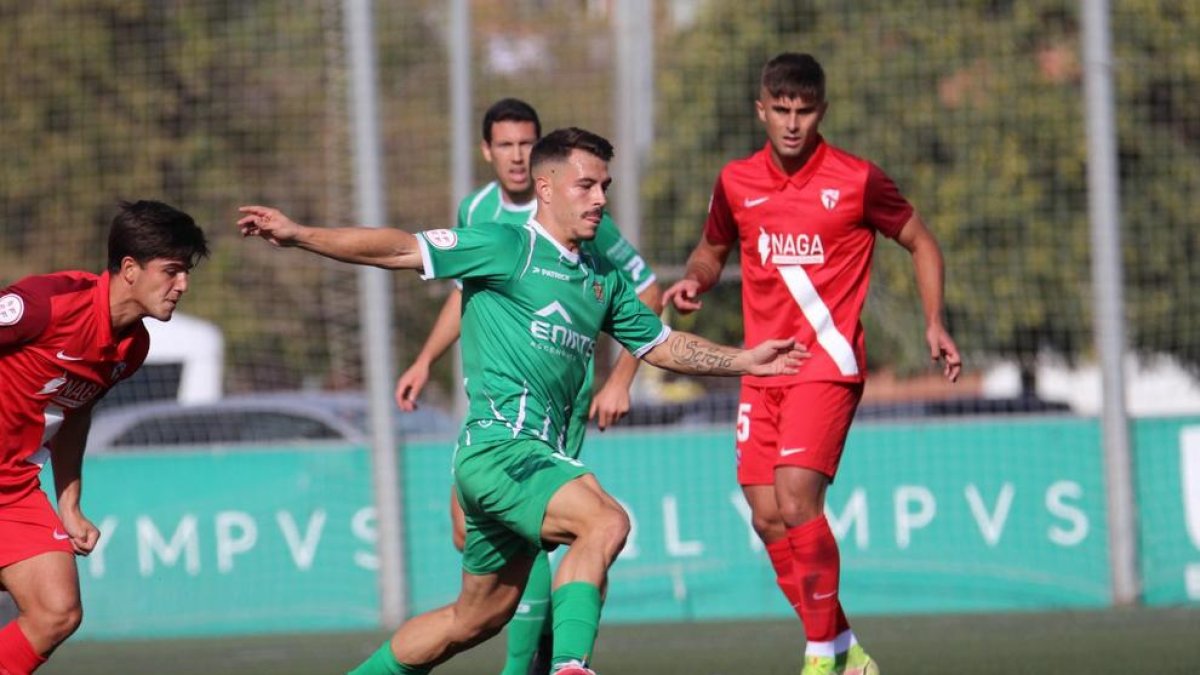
{"points": [[972, 516], [1167, 467], [240, 542]]}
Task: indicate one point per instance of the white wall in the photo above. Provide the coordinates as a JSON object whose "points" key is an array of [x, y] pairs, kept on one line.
{"points": [[199, 346], [1154, 386]]}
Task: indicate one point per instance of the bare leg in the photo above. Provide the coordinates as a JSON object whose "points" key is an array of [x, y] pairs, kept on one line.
{"points": [[486, 603], [458, 521], [800, 494], [764, 512], [45, 589], [583, 515]]}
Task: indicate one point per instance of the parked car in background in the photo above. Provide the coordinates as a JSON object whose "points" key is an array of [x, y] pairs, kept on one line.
{"points": [[720, 407], [249, 419]]}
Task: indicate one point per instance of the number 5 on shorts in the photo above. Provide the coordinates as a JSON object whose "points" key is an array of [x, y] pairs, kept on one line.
{"points": [[743, 422]]}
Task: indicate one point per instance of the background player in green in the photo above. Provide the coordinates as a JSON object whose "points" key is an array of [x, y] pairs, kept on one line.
{"points": [[529, 326], [510, 128]]}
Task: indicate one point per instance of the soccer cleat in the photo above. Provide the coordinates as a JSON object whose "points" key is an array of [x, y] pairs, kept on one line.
{"points": [[573, 667], [857, 662], [819, 665]]}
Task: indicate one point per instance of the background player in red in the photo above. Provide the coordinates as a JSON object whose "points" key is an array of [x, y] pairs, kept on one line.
{"points": [[805, 214], [65, 339]]}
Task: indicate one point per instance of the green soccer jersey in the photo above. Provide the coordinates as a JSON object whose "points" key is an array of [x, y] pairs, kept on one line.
{"points": [[532, 310], [486, 206]]}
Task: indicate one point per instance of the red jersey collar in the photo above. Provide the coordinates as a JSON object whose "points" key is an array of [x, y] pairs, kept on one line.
{"points": [[102, 310], [799, 179]]}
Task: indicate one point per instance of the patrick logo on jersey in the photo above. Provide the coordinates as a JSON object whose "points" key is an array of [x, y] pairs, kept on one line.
{"points": [[786, 248]]}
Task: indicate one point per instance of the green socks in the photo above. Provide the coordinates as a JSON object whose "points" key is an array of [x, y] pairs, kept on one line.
{"points": [[576, 620], [576, 612], [383, 663], [525, 629]]}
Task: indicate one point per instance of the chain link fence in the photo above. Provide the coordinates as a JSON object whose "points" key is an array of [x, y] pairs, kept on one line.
{"points": [[973, 108]]}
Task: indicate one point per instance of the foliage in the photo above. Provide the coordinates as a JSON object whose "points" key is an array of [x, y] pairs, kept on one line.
{"points": [[982, 127], [973, 107]]}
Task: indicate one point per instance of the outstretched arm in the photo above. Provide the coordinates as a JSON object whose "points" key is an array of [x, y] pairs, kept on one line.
{"points": [[445, 331], [381, 247], [703, 271], [929, 269], [693, 355]]}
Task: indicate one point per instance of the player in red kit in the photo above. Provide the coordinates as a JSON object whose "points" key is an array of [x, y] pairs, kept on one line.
{"points": [[65, 339], [805, 215]]}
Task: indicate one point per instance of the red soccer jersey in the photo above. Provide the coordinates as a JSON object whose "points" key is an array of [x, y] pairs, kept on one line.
{"points": [[58, 355], [806, 246]]}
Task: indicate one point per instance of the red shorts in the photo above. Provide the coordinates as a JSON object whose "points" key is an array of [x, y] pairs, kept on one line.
{"points": [[29, 527], [803, 425]]}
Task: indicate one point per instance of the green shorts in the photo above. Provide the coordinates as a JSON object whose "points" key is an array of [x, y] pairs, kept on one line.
{"points": [[504, 489]]}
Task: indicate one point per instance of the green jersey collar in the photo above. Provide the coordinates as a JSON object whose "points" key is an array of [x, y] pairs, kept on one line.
{"points": [[572, 256], [528, 206]]}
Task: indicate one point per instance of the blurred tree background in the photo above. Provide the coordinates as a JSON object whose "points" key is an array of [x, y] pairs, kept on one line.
{"points": [[974, 108]]}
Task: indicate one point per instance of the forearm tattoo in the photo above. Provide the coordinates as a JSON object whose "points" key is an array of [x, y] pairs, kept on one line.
{"points": [[696, 357]]}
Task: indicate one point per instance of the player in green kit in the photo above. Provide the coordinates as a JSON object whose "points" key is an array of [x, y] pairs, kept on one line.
{"points": [[533, 305], [510, 128]]}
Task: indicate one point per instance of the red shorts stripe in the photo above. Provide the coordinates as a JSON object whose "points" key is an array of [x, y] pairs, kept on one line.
{"points": [[803, 424], [29, 527]]}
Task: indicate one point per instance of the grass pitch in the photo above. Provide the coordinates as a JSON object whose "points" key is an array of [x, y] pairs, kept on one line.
{"points": [[1117, 642]]}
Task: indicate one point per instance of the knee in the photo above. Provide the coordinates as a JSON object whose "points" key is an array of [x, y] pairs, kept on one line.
{"points": [[612, 529], [54, 624], [799, 512], [768, 526]]}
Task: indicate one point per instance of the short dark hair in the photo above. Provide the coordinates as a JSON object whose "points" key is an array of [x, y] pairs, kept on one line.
{"points": [[145, 230], [793, 75], [557, 145], [509, 110]]}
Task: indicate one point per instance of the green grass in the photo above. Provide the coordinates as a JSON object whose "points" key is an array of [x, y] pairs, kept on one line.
{"points": [[1124, 642]]}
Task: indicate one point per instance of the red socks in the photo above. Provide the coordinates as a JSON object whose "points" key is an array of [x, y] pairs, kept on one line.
{"points": [[780, 553], [817, 567], [16, 654]]}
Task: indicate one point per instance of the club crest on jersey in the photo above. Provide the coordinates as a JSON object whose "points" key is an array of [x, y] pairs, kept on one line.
{"points": [[829, 198], [598, 290], [442, 238], [12, 308], [790, 249]]}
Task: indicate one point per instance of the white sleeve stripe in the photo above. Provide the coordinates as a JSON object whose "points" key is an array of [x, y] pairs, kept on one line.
{"points": [[532, 246], [645, 284], [662, 337], [478, 198], [427, 271], [814, 309]]}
